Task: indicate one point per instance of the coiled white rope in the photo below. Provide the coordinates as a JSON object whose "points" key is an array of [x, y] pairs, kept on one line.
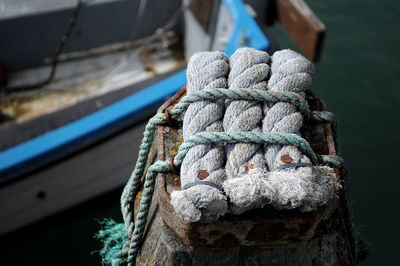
{"points": [[249, 69], [255, 174], [292, 181], [202, 170], [293, 73]]}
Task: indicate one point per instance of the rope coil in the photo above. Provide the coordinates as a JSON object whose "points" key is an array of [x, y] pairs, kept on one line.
{"points": [[205, 70]]}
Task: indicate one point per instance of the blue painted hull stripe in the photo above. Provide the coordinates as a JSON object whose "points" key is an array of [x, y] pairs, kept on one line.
{"points": [[244, 24], [79, 129]]}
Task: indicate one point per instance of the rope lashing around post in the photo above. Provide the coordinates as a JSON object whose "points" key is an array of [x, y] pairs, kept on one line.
{"points": [[133, 185], [206, 70], [245, 137], [244, 94], [334, 160], [133, 232], [205, 138]]}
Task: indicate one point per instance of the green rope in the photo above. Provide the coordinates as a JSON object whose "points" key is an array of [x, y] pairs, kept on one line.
{"points": [[334, 160], [329, 117], [243, 94], [114, 237], [144, 207], [132, 187], [130, 240], [244, 137]]}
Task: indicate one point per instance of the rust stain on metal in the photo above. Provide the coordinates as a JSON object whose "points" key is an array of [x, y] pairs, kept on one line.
{"points": [[203, 174], [286, 159], [173, 100], [176, 181]]}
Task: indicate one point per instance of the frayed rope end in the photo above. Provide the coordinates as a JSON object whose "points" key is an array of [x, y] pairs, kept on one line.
{"points": [[113, 236], [199, 203]]}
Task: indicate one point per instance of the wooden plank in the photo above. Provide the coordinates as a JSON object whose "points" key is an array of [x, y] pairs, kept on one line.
{"points": [[201, 10], [303, 26]]}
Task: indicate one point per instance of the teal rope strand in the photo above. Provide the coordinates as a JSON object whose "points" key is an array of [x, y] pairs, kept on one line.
{"points": [[329, 117], [334, 160], [133, 185], [242, 94], [144, 206], [244, 137]]}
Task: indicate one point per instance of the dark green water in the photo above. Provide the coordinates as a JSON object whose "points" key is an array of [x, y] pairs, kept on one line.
{"points": [[359, 78]]}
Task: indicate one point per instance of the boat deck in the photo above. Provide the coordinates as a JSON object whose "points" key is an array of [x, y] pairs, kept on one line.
{"points": [[99, 71], [81, 77]]}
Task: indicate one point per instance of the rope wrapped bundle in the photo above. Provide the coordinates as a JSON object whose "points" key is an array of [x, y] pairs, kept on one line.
{"points": [[292, 181], [268, 163], [202, 170]]}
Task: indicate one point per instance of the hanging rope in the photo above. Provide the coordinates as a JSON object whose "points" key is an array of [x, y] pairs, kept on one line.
{"points": [[56, 56]]}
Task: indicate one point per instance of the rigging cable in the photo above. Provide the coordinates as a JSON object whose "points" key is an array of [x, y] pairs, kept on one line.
{"points": [[55, 59]]}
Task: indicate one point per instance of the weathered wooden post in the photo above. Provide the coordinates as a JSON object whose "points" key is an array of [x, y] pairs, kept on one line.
{"points": [[262, 236], [293, 211]]}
